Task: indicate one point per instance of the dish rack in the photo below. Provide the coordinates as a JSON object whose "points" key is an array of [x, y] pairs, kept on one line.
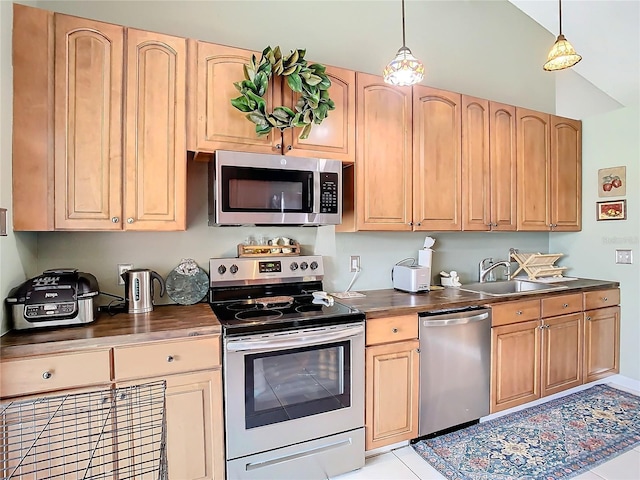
{"points": [[537, 265], [113, 433], [268, 250]]}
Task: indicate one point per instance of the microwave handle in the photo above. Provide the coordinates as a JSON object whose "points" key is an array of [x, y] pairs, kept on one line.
{"points": [[313, 181]]}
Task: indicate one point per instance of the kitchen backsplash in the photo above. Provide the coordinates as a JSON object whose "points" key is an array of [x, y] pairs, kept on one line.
{"points": [[100, 252]]}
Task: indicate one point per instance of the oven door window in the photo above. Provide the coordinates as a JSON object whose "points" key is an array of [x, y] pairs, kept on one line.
{"points": [[296, 383], [266, 190]]}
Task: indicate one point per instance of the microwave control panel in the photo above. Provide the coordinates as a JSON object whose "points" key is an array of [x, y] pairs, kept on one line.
{"points": [[328, 192]]}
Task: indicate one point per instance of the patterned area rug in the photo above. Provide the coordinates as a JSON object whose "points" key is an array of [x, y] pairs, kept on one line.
{"points": [[558, 439]]}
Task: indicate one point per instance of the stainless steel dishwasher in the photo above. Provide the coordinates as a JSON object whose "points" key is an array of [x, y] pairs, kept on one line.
{"points": [[455, 367]]}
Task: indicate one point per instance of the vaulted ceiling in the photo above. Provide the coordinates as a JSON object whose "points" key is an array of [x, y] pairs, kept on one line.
{"points": [[607, 35]]}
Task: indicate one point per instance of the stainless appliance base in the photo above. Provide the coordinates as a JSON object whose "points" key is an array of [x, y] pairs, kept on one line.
{"points": [[316, 459]]}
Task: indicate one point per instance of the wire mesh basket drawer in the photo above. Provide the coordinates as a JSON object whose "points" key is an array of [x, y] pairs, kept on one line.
{"points": [[113, 433]]}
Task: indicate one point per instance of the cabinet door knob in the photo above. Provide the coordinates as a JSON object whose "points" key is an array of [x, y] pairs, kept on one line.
{"points": [[289, 147], [565, 305], [277, 146], [170, 358], [411, 224], [394, 330], [419, 223], [130, 220], [518, 312], [115, 219], [588, 318], [47, 375]]}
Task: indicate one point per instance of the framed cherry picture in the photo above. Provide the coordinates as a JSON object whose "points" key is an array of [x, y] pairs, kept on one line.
{"points": [[611, 210], [612, 182]]}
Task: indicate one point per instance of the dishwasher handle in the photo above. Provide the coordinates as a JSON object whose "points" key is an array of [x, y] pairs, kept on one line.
{"points": [[455, 319]]}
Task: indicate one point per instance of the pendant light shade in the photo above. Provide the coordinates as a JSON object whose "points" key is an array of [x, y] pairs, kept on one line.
{"points": [[562, 55], [404, 69]]}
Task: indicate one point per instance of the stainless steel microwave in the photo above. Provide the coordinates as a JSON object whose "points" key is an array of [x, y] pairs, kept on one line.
{"points": [[261, 189]]}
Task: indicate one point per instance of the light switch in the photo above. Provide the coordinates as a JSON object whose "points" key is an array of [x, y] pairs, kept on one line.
{"points": [[624, 256]]}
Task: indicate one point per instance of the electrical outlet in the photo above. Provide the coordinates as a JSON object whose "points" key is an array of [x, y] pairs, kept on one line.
{"points": [[354, 263], [624, 256], [123, 267]]}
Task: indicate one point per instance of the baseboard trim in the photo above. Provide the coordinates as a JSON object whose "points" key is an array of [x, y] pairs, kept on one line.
{"points": [[613, 380]]}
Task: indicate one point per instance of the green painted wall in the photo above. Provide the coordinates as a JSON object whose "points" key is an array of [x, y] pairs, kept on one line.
{"points": [[610, 140]]}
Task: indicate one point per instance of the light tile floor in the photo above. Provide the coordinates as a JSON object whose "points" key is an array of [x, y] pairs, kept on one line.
{"points": [[405, 464]]}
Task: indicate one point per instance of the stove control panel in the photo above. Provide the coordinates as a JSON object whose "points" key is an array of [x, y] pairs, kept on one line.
{"points": [[270, 266], [245, 270]]}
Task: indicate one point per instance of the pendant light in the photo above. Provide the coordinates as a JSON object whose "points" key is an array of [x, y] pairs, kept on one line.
{"points": [[562, 55], [404, 69]]}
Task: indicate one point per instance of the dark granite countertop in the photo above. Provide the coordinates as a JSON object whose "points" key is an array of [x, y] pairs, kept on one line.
{"points": [[165, 322], [382, 303]]}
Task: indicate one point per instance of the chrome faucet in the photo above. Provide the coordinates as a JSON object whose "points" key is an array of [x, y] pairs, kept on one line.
{"points": [[484, 270]]}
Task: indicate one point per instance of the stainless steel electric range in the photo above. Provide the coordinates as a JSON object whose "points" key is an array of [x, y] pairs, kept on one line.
{"points": [[293, 370]]}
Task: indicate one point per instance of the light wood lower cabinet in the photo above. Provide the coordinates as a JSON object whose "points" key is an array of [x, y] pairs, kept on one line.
{"points": [[601, 343], [392, 393], [392, 380], [515, 364], [193, 374], [192, 370], [194, 424], [542, 347], [561, 353]]}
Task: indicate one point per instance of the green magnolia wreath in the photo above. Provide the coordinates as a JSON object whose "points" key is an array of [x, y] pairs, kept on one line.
{"points": [[310, 81]]}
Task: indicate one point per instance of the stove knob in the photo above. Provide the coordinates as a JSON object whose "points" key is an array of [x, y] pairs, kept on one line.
{"points": [[233, 268], [313, 265], [222, 269], [293, 266], [304, 266]]}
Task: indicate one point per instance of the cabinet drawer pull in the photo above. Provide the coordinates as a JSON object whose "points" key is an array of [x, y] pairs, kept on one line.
{"points": [[565, 305], [605, 299], [518, 312], [47, 375], [170, 358], [394, 330]]}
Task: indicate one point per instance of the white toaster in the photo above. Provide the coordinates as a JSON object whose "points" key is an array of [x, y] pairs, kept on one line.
{"points": [[411, 278]]}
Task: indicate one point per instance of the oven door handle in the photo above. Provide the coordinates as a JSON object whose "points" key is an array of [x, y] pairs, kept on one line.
{"points": [[301, 339]]}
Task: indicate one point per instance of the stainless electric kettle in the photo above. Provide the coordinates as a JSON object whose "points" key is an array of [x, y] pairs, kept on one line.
{"points": [[138, 289]]}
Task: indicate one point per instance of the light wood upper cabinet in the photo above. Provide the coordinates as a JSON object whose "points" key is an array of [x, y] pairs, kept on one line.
{"points": [[549, 156], [114, 166], [566, 174], [155, 159], [383, 176], [335, 137], [88, 95], [214, 123], [502, 129], [436, 159], [488, 165], [476, 168], [534, 159]]}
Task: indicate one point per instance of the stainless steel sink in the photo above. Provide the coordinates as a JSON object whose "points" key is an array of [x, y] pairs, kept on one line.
{"points": [[510, 287]]}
